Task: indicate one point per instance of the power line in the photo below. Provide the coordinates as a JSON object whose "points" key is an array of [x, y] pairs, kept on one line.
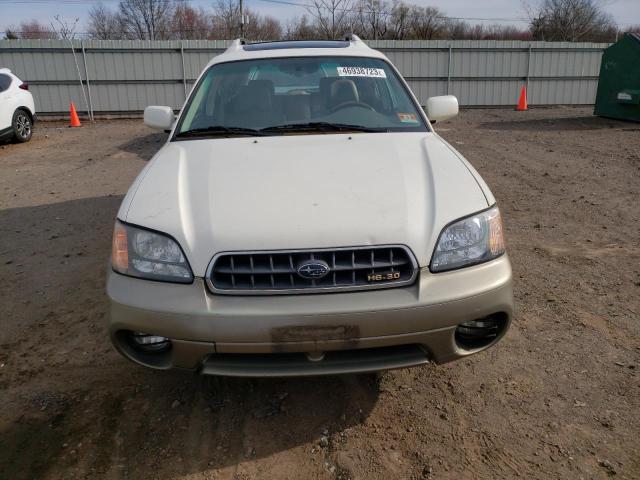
{"points": [[308, 6]]}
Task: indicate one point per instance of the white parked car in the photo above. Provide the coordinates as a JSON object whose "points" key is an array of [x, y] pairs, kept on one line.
{"points": [[304, 218], [17, 110]]}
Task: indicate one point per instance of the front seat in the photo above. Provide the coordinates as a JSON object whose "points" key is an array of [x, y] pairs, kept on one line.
{"points": [[253, 106], [343, 91], [324, 94]]}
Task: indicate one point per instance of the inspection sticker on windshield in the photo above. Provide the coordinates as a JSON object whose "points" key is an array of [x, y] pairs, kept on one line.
{"points": [[407, 117], [361, 72]]}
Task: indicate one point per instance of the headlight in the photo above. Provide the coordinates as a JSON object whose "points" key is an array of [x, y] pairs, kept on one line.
{"points": [[145, 254], [469, 241]]}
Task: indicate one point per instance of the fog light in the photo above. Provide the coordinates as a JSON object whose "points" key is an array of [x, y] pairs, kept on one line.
{"points": [[149, 343], [315, 356], [481, 332]]}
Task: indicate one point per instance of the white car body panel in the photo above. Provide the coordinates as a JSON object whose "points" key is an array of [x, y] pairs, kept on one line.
{"points": [[483, 185], [303, 191], [357, 49], [12, 99]]}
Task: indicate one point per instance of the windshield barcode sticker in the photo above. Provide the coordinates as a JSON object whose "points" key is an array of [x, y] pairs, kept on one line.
{"points": [[361, 72]]}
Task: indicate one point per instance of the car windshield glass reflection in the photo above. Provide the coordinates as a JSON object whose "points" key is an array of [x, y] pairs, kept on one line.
{"points": [[288, 95]]}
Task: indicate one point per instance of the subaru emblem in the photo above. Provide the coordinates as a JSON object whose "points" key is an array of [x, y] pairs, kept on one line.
{"points": [[313, 269]]}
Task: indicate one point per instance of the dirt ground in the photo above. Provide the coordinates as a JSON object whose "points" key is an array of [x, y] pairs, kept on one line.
{"points": [[559, 397]]}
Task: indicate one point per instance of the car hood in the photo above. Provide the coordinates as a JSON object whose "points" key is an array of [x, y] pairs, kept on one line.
{"points": [[303, 191]]}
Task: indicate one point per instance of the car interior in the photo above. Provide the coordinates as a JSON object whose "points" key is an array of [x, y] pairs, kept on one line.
{"points": [[256, 103]]}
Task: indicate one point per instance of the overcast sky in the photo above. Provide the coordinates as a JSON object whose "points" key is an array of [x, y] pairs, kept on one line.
{"points": [[12, 12]]}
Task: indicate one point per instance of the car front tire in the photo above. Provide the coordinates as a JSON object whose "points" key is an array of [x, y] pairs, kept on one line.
{"points": [[22, 126]]}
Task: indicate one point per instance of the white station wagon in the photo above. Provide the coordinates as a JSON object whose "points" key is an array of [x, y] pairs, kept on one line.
{"points": [[303, 218]]}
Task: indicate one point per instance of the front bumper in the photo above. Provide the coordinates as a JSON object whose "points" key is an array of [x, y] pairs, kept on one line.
{"points": [[209, 331]]}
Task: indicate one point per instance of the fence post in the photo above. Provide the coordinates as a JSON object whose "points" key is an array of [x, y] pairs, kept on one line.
{"points": [[528, 67], [184, 73], [86, 77], [449, 70]]}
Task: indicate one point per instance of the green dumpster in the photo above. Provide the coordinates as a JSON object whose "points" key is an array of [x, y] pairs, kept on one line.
{"points": [[619, 84]]}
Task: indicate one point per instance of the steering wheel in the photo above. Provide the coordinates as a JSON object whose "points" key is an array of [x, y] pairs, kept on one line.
{"points": [[352, 103]]}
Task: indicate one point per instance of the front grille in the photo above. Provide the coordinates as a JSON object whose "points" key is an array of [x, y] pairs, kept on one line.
{"points": [[268, 272]]}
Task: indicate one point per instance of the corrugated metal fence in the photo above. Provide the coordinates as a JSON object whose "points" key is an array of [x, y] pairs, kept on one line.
{"points": [[123, 76]]}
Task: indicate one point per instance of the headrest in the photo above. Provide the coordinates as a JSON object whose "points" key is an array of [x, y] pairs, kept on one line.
{"points": [[342, 91], [256, 96]]}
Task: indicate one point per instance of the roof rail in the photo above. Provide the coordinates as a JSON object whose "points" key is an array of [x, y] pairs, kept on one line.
{"points": [[353, 38], [239, 43], [236, 45]]}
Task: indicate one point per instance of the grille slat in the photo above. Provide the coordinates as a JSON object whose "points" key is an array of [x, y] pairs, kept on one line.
{"points": [[336, 268], [333, 268], [356, 268]]}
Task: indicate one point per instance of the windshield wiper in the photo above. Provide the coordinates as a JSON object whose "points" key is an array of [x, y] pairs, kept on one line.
{"points": [[220, 130], [320, 126]]}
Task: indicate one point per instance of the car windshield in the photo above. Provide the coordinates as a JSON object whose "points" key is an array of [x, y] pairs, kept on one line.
{"points": [[308, 94]]}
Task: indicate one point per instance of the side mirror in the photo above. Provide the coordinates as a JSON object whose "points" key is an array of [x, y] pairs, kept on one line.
{"points": [[441, 108], [160, 118]]}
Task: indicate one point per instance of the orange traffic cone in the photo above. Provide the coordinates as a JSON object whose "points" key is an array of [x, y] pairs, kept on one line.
{"points": [[75, 121], [522, 103]]}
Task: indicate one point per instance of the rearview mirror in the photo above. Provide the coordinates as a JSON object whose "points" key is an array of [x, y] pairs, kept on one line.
{"points": [[160, 118], [441, 108]]}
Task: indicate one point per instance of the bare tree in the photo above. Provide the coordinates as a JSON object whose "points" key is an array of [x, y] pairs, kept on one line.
{"points": [[190, 24], [399, 20], [261, 27], [104, 24], [66, 29], [369, 19], [508, 32], [331, 17], [456, 30], [300, 29], [226, 23], [226, 19], [146, 19], [427, 23], [35, 30], [570, 20]]}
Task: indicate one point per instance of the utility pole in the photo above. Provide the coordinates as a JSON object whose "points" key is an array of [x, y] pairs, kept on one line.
{"points": [[241, 19], [375, 26]]}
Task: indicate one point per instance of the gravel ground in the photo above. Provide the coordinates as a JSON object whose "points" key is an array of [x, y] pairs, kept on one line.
{"points": [[558, 398]]}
